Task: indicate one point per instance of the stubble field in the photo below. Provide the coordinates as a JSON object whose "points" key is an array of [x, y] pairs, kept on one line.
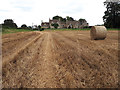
{"points": [[59, 59]]}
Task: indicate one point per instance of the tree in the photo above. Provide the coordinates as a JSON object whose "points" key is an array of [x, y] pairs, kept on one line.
{"points": [[29, 27], [59, 18], [64, 20], [24, 26], [112, 15], [82, 20], [9, 23], [55, 25], [39, 27], [69, 18]]}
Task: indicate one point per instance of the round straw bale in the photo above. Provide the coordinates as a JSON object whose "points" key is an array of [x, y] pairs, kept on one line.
{"points": [[98, 33]]}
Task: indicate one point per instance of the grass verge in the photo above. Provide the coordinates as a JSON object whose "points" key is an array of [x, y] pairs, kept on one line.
{"points": [[84, 29], [7, 31], [113, 29], [68, 29]]}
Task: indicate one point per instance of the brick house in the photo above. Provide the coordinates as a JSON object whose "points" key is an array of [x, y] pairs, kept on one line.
{"points": [[67, 24]]}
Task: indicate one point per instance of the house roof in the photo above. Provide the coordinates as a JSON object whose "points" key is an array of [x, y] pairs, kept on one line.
{"points": [[45, 23]]}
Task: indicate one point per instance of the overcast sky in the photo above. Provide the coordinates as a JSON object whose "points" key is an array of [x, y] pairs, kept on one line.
{"points": [[33, 11]]}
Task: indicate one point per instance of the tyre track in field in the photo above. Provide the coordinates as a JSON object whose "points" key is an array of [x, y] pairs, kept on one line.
{"points": [[11, 47], [97, 46], [70, 63], [47, 67], [58, 60], [14, 37], [100, 64], [65, 67], [14, 53], [18, 72], [33, 67]]}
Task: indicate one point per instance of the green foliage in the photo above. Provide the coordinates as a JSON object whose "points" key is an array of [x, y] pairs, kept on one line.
{"points": [[24, 26], [69, 18], [73, 29], [6, 31], [9, 23], [82, 29], [82, 20], [63, 19], [86, 27], [112, 15], [39, 27], [113, 29], [55, 25], [42, 29], [29, 27], [59, 18]]}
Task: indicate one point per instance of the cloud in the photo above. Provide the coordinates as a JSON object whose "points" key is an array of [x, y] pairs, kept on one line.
{"points": [[33, 11], [24, 5], [3, 10], [24, 8], [73, 10]]}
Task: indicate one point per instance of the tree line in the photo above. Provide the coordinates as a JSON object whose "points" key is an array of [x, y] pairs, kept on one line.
{"points": [[55, 25], [67, 19], [9, 24]]}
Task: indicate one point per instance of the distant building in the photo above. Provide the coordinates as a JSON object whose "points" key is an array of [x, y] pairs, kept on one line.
{"points": [[66, 24], [34, 27], [45, 25]]}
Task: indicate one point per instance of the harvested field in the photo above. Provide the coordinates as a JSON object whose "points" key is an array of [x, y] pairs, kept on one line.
{"points": [[59, 59]]}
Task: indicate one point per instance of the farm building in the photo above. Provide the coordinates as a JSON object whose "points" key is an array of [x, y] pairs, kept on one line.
{"points": [[45, 25], [66, 24]]}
